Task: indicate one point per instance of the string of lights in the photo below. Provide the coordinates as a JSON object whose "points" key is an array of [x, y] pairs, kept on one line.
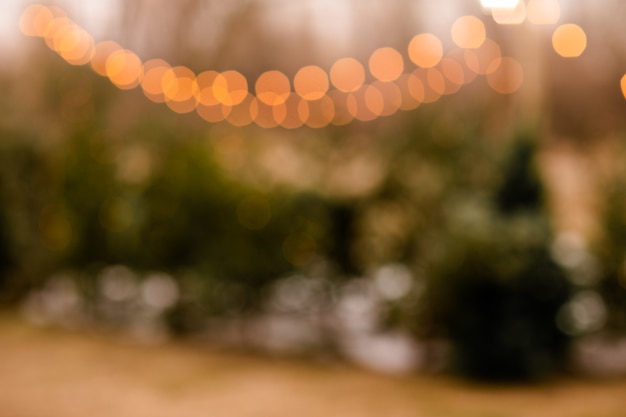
{"points": [[314, 97]]}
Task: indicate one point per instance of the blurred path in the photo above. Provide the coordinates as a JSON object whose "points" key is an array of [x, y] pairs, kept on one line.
{"points": [[46, 373]]}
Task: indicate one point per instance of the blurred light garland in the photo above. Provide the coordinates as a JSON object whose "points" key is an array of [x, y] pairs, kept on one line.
{"points": [[314, 97]]}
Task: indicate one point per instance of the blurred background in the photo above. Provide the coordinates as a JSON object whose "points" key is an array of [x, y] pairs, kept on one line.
{"points": [[411, 186]]}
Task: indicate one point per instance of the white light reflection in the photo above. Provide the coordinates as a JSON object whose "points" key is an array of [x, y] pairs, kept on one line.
{"points": [[499, 4]]}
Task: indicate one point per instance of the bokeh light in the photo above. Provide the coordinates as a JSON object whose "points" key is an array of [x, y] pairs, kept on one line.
{"points": [[623, 85], [272, 87], [240, 114], [152, 81], [347, 74], [500, 4], [425, 50], [543, 12], [320, 112], [386, 64], [35, 20], [75, 45], [512, 16], [508, 76], [288, 113], [101, 54], [311, 82], [230, 88], [480, 60], [124, 69], [412, 91], [569, 40], [204, 88], [264, 115], [179, 88], [468, 32], [342, 113], [392, 97]]}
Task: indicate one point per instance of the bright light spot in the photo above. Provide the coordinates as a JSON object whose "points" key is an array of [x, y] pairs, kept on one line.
{"points": [[468, 32], [35, 19], [508, 77], [425, 50], [386, 64], [586, 312], [311, 82], [118, 283], [272, 87], [239, 114], [289, 113], [569, 40], [500, 4], [342, 114], [230, 88], [101, 54], [124, 69], [347, 75], [204, 88], [436, 81], [264, 115], [481, 60], [412, 90], [623, 85], [213, 113], [179, 88], [254, 212], [392, 97], [453, 71], [320, 112], [151, 82], [543, 12], [75, 46], [393, 281], [513, 16], [159, 291]]}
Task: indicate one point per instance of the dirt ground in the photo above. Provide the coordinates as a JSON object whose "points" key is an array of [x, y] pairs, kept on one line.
{"points": [[50, 373]]}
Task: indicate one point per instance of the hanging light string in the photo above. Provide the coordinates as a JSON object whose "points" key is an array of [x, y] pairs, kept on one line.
{"points": [[314, 97]]}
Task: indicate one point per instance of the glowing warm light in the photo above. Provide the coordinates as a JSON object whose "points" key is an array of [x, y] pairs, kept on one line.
{"points": [[623, 85], [263, 115], [392, 97], [213, 113], [508, 77], [347, 75], [412, 90], [361, 102], [101, 54], [311, 82], [272, 87], [240, 114], [151, 83], [425, 50], [386, 64], [480, 60], [453, 71], [288, 113], [569, 40], [204, 88], [35, 19], [54, 29], [512, 16], [75, 45], [468, 32], [320, 112], [179, 88], [230, 88], [543, 12], [342, 114], [500, 4], [124, 69], [436, 81], [429, 79]]}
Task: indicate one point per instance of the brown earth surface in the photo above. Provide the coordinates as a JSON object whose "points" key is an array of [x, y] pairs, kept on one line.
{"points": [[50, 373]]}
